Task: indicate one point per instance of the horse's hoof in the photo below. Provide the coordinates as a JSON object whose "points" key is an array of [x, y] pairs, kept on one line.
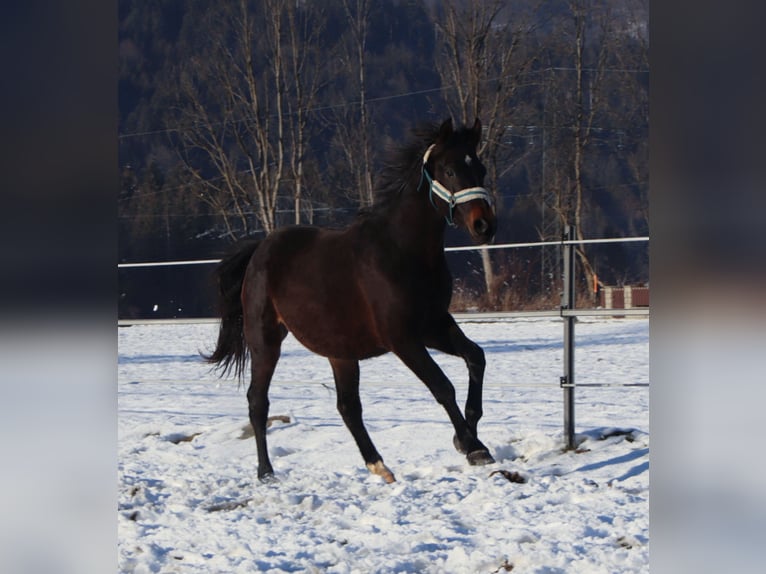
{"points": [[381, 470], [268, 478], [480, 458], [458, 445]]}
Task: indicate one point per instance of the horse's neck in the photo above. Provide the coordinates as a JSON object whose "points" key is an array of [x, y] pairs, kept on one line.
{"points": [[417, 228]]}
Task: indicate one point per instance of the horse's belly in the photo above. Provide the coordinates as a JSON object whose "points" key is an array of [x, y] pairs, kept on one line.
{"points": [[332, 342], [333, 330], [340, 347]]}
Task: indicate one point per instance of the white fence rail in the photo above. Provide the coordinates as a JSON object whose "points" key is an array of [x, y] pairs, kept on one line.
{"points": [[460, 248], [478, 317], [566, 311]]}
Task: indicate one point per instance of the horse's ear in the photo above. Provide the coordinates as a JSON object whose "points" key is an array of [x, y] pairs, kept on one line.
{"points": [[476, 132], [445, 130]]}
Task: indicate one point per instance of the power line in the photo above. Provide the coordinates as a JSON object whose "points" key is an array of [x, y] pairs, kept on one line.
{"points": [[181, 186], [380, 99], [305, 111], [601, 70], [317, 206]]}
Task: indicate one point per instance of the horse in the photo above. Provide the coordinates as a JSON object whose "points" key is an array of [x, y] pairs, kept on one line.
{"points": [[379, 285]]}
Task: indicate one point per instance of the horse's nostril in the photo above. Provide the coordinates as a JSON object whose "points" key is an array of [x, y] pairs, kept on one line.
{"points": [[480, 226]]}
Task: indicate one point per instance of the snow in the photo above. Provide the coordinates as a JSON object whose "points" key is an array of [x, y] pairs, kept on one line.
{"points": [[189, 500]]}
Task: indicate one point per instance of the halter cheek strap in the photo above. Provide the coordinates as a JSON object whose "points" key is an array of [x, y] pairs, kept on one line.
{"points": [[452, 199]]}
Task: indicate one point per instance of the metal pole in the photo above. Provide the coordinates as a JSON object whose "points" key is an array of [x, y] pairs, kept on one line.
{"points": [[568, 303]]}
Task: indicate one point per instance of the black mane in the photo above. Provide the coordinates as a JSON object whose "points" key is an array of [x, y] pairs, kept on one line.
{"points": [[402, 168]]}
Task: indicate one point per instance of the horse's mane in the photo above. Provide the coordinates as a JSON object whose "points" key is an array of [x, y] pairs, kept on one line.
{"points": [[401, 169]]}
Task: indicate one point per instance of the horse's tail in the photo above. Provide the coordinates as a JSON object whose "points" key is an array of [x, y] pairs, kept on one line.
{"points": [[231, 352]]}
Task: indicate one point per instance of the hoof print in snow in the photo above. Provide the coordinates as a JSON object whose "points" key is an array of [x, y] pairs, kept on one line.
{"points": [[511, 476], [179, 438], [609, 433], [247, 430], [625, 542], [228, 505], [281, 418]]}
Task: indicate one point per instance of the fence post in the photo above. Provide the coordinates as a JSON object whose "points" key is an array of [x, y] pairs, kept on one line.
{"points": [[568, 302]]}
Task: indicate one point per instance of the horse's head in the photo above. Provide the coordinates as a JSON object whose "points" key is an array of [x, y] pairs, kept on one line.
{"points": [[456, 179]]}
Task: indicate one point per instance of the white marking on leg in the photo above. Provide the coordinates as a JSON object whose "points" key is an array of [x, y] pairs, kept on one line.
{"points": [[381, 470]]}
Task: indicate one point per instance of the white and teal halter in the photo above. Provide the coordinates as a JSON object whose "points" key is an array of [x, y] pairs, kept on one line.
{"points": [[452, 199]]}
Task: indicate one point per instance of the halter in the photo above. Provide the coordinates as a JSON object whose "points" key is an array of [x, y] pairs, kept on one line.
{"points": [[452, 199]]}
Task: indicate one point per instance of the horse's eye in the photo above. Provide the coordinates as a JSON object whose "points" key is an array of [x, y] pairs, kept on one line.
{"points": [[449, 172]]}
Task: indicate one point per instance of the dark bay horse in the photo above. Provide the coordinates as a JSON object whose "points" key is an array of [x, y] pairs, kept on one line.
{"points": [[380, 285]]}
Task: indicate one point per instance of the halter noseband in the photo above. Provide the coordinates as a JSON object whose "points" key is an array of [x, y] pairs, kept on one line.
{"points": [[452, 199]]}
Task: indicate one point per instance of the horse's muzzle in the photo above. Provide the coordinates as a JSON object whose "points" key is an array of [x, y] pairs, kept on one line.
{"points": [[483, 229]]}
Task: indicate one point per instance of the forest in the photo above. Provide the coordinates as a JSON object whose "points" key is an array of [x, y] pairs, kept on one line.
{"points": [[238, 117]]}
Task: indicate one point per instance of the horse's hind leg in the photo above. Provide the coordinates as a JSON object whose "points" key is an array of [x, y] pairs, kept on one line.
{"points": [[264, 361], [264, 336], [346, 373]]}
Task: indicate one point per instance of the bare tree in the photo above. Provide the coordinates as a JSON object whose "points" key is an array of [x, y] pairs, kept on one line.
{"points": [[596, 96], [588, 91], [307, 77], [354, 131], [634, 55], [243, 101], [583, 122], [481, 58]]}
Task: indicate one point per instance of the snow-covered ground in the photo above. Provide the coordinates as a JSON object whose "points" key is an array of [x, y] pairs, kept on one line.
{"points": [[189, 500]]}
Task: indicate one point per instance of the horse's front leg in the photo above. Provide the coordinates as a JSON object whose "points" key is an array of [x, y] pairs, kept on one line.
{"points": [[416, 357], [474, 359], [450, 339]]}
